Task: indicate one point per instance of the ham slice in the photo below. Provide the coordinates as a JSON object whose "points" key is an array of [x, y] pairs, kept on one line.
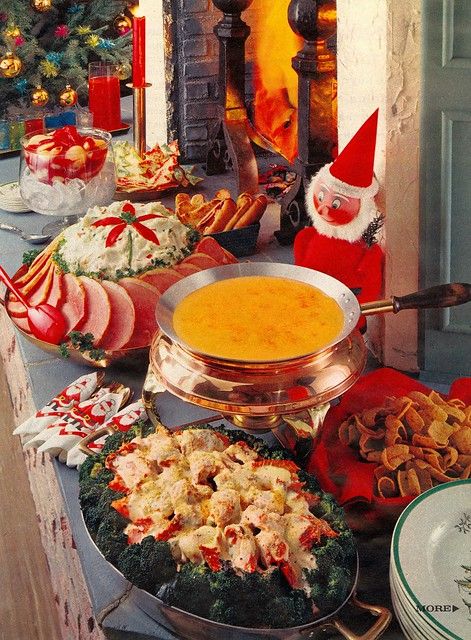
{"points": [[37, 279], [55, 293], [37, 264], [161, 279], [73, 305], [186, 269], [97, 310], [41, 292], [122, 319], [212, 248], [201, 260], [144, 297], [15, 308]]}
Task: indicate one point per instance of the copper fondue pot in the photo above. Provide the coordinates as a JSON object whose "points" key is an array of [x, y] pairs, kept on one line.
{"points": [[255, 394]]}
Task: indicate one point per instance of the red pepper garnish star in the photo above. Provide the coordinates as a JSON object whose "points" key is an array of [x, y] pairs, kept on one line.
{"points": [[128, 217]]}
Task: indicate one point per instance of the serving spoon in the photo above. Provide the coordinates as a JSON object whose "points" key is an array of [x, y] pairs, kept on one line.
{"points": [[34, 238], [45, 321]]}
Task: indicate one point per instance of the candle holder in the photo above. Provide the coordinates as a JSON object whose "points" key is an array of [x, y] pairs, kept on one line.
{"points": [[139, 116]]}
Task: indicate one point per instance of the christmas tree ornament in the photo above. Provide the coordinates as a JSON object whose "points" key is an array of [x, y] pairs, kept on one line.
{"points": [[12, 31], [10, 65], [343, 240], [124, 70], [122, 24], [68, 97], [41, 6], [39, 97]]}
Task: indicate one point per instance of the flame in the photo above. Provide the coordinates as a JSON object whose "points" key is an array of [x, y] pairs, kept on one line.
{"points": [[275, 81], [136, 11], [275, 108]]}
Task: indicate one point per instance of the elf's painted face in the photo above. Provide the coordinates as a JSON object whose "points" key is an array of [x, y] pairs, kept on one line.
{"points": [[333, 207]]}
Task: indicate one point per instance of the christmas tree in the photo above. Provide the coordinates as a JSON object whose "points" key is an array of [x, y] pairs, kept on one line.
{"points": [[46, 45]]}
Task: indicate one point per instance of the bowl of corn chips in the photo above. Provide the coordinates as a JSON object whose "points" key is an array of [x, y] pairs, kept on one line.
{"points": [[390, 439]]}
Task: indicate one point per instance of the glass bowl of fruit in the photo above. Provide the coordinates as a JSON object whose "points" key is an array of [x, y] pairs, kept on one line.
{"points": [[66, 171]]}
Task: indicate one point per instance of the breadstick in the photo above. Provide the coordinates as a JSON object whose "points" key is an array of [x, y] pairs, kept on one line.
{"points": [[223, 213], [253, 213], [244, 201]]}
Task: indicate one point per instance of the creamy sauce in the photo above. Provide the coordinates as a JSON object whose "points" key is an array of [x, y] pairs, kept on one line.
{"points": [[258, 318], [214, 501], [84, 248]]}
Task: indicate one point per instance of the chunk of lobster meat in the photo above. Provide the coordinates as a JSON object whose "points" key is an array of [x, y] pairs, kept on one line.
{"points": [[224, 507], [191, 440], [272, 547], [243, 551], [203, 541], [307, 530], [203, 465]]}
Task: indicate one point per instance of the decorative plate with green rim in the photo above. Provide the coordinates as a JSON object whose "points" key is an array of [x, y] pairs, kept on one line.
{"points": [[431, 555]]}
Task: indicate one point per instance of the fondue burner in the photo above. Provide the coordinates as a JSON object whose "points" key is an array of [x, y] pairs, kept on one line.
{"points": [[256, 396], [261, 396]]}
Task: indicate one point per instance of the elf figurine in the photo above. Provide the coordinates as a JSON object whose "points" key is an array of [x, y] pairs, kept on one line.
{"points": [[343, 238]]}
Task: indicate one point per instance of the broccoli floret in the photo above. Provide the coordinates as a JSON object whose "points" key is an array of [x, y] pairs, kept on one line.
{"points": [[110, 538], [289, 611], [332, 579], [113, 442], [190, 590], [329, 589], [262, 600], [148, 564]]}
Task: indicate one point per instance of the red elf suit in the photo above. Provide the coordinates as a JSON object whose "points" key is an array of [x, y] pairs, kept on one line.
{"points": [[342, 240]]}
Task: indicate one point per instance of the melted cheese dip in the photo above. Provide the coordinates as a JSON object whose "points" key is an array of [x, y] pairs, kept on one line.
{"points": [[257, 318]]}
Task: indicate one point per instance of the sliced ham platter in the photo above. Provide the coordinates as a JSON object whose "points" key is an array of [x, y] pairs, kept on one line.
{"points": [[106, 272]]}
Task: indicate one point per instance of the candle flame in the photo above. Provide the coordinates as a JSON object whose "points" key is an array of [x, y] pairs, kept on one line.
{"points": [[136, 11]]}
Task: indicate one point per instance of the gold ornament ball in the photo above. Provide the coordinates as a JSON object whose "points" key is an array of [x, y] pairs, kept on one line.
{"points": [[41, 5], [68, 97], [12, 32], [39, 97], [122, 24], [10, 65], [124, 71]]}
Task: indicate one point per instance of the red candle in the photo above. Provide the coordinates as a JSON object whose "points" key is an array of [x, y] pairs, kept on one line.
{"points": [[138, 51]]}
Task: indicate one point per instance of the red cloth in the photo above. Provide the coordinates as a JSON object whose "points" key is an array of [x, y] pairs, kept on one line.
{"points": [[353, 263], [338, 468]]}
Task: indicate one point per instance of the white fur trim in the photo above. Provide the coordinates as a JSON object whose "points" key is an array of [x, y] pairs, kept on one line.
{"points": [[350, 232], [343, 187]]}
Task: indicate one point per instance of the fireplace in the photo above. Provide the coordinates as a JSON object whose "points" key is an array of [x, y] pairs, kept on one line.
{"points": [[227, 92]]}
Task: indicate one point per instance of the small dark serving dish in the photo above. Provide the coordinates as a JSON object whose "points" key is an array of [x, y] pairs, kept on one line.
{"points": [[240, 242]]}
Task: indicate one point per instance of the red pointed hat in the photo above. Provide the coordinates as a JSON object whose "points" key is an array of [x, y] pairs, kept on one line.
{"points": [[354, 164]]}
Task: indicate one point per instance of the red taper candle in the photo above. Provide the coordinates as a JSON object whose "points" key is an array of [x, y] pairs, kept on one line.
{"points": [[138, 51]]}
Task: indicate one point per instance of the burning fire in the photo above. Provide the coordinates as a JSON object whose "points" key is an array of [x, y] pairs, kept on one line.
{"points": [[275, 106]]}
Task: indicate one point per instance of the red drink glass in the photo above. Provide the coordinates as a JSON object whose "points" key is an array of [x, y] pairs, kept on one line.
{"points": [[104, 99]]}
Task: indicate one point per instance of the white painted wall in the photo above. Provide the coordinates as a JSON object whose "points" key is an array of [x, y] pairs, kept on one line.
{"points": [[379, 66], [156, 109]]}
